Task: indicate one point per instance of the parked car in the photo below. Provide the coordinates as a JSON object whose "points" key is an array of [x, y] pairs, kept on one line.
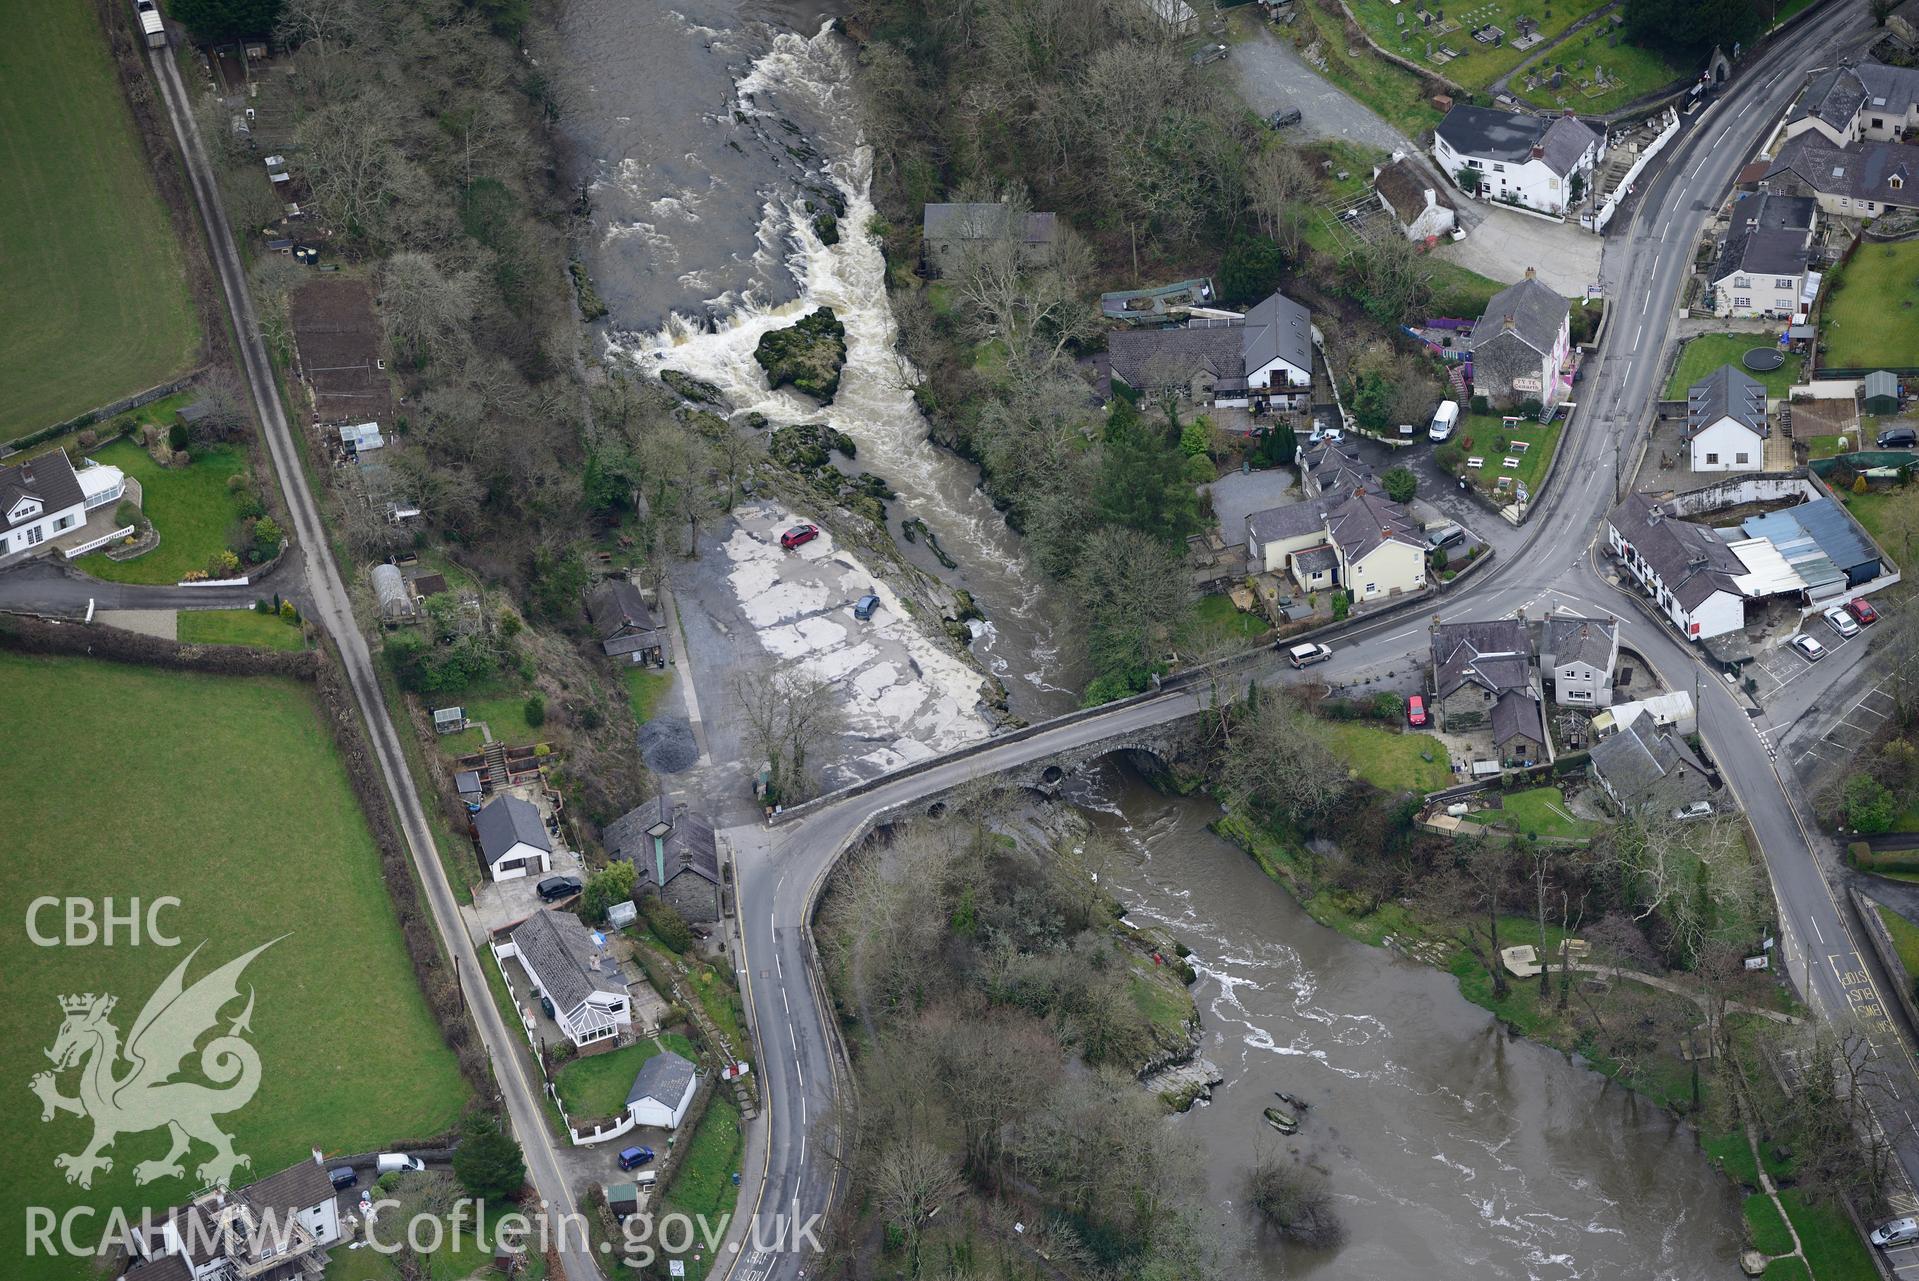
{"points": [[1445, 535], [1898, 438], [1895, 1232], [1811, 648], [1416, 711], [546, 1003], [1840, 621], [391, 1161], [799, 536], [1210, 53], [865, 607], [555, 888], [1693, 809], [1862, 611], [1308, 654], [1284, 118], [342, 1177], [634, 1158]]}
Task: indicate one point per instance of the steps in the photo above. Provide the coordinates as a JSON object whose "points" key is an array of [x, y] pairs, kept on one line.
{"points": [[496, 772]]}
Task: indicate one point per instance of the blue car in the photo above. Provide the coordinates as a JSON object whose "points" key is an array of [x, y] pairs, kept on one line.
{"points": [[867, 604], [633, 1158]]}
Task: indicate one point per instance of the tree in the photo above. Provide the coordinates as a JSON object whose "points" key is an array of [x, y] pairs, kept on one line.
{"points": [[1282, 764], [1400, 483], [427, 311], [1132, 592], [911, 1181], [488, 1162], [1142, 483], [1882, 10], [1870, 807], [214, 21], [229, 409], [535, 710], [1252, 268], [1294, 1201], [788, 713], [1388, 275], [611, 884], [1468, 179]]}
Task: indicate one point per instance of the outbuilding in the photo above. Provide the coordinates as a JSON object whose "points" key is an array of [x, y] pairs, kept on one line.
{"points": [[513, 840], [1881, 393], [662, 1091], [389, 589]]}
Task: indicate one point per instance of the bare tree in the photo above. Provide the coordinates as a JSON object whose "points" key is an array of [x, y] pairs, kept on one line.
{"points": [[911, 1180], [788, 714], [1281, 762], [427, 310], [1294, 1201]]}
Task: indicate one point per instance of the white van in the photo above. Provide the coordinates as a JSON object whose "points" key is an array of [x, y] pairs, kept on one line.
{"points": [[390, 1161], [1444, 420]]}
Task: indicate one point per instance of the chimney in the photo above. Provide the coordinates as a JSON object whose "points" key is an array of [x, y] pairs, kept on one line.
{"points": [[1539, 153], [1506, 321], [1532, 273], [1568, 113]]}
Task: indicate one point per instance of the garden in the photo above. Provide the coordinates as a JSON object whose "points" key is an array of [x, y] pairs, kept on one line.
{"points": [[596, 1086], [703, 1185], [1701, 355], [226, 794], [210, 521], [1492, 439], [1868, 320]]}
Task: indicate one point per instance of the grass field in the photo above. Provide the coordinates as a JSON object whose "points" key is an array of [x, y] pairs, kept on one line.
{"points": [[644, 688], [93, 296], [1701, 355], [1538, 811], [1869, 318], [191, 507], [1390, 90], [703, 1185], [1905, 939], [226, 794], [1891, 516], [596, 1085], [1389, 759], [239, 627]]}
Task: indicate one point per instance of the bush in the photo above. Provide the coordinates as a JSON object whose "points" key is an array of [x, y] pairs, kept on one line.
{"points": [[1449, 457], [177, 437], [1295, 1202], [668, 926], [222, 564], [1439, 560], [1342, 605], [1481, 405], [1869, 807], [289, 613], [1400, 483], [536, 710], [611, 884]]}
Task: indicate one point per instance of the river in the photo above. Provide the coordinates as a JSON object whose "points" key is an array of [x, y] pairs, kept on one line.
{"points": [[1455, 1149], [702, 132]]}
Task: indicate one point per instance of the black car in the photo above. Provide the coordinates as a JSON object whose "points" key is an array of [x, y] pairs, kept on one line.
{"points": [[342, 1176], [546, 1003], [555, 888], [1898, 438], [1284, 118]]}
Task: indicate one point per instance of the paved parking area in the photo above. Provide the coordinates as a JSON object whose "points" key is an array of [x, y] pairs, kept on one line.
{"points": [[1271, 75], [1501, 244], [1238, 495], [1861, 720]]}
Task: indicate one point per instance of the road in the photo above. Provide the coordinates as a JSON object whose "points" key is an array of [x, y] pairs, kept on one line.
{"points": [[329, 606], [1558, 565]]}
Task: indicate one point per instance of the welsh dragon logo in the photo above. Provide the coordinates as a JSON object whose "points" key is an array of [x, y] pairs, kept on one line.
{"points": [[145, 1096]]}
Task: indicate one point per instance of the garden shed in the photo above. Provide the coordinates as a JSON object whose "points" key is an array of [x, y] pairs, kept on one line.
{"points": [[390, 590], [1881, 394]]}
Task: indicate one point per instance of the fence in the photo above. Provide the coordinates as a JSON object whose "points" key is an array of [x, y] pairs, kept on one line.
{"points": [[1631, 175], [97, 543], [120, 406]]}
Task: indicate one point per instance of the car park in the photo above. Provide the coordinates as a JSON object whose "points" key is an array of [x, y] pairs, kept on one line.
{"points": [[1862, 611], [555, 888], [1810, 648], [1895, 1232], [799, 536], [1416, 711], [1841, 622]]}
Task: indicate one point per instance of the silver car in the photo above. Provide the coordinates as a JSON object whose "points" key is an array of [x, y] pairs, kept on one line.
{"points": [[1895, 1232], [1809, 647], [1840, 621]]}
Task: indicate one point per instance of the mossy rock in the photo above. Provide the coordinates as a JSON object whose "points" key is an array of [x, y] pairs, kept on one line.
{"points": [[691, 388], [808, 447], [809, 355]]}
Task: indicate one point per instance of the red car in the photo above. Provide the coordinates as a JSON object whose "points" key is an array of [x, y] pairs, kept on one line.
{"points": [[1416, 711], [1861, 609], [799, 536]]}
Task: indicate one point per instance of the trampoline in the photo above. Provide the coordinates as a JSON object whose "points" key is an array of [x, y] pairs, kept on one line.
{"points": [[1763, 359]]}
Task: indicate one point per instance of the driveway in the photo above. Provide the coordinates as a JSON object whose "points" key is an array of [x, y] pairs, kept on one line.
{"points": [[1272, 75], [1238, 495], [1501, 244], [1441, 493]]}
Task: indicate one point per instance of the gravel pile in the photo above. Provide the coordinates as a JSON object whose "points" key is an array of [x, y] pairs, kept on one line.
{"points": [[667, 746]]}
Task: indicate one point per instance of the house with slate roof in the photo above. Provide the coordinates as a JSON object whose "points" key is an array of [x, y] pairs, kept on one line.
{"points": [[1577, 656], [570, 968], [1347, 534], [1520, 346], [276, 1229], [1687, 570], [1726, 423], [1530, 160], [662, 1090], [1482, 677], [1647, 769], [947, 229], [1764, 264], [625, 623], [1862, 179], [513, 838], [1262, 360], [1867, 102], [45, 497], [673, 854]]}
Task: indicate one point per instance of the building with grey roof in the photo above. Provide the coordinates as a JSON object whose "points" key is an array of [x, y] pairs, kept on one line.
{"points": [[662, 1090], [1474, 664], [1262, 360], [1726, 422], [1863, 180], [1686, 570], [44, 497], [947, 230], [513, 838], [1415, 197], [1520, 345], [1764, 266], [1519, 728], [1647, 769], [625, 622], [275, 1229], [673, 853], [1865, 102], [1536, 161], [571, 969], [1577, 656]]}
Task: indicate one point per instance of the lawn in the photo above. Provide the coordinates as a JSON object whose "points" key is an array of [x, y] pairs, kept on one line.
{"points": [[1891, 516], [1217, 611], [224, 793], [1905, 939], [596, 1086], [1538, 811], [190, 506], [1701, 355], [703, 1184], [239, 627], [644, 688], [1869, 320], [93, 294], [505, 715], [1480, 436], [1769, 1234], [1389, 759], [1835, 1251], [1478, 65]]}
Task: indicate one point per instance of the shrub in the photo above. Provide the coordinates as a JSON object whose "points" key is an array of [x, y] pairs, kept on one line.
{"points": [[536, 710], [222, 564], [177, 437], [1869, 807], [1439, 559], [1295, 1202], [488, 1162], [611, 884], [668, 926], [1481, 405], [1400, 483], [236, 482], [289, 613], [1342, 605], [1859, 485]]}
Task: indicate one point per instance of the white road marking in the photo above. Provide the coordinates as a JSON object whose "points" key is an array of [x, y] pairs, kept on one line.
{"points": [[1638, 333], [794, 1039], [784, 1005], [1815, 930]]}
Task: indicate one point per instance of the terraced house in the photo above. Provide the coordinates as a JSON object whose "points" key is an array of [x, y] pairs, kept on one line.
{"points": [[1845, 141]]}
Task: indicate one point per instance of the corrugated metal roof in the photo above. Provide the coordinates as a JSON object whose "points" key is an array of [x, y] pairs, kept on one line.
{"points": [[1767, 571]]}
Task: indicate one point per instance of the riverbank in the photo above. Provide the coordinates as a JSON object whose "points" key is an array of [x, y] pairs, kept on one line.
{"points": [[1661, 1072]]}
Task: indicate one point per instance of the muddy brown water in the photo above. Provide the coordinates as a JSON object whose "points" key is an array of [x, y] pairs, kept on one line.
{"points": [[1455, 1149]]}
